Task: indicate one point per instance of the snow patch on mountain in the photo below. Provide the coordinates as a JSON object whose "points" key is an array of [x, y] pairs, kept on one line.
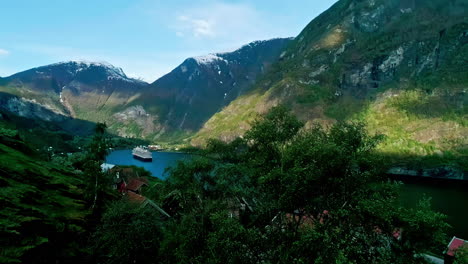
{"points": [[209, 59], [214, 58], [114, 73]]}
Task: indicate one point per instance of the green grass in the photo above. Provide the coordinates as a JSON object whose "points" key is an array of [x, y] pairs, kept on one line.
{"points": [[234, 119], [420, 105], [346, 107], [417, 129]]}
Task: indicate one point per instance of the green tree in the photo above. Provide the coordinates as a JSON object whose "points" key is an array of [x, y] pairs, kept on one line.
{"points": [[128, 233], [284, 194], [269, 136], [461, 256], [98, 184]]}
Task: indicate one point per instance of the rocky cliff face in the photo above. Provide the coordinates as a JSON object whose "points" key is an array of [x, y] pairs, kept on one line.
{"points": [[28, 108], [398, 65], [13, 106], [359, 46]]}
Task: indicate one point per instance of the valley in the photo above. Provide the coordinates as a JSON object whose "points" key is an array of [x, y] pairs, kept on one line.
{"points": [[409, 85], [346, 143]]}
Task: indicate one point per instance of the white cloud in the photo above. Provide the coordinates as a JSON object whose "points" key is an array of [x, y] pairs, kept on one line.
{"points": [[4, 52], [198, 27], [225, 22]]}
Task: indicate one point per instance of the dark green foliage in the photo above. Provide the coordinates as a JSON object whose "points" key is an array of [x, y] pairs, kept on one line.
{"points": [[462, 255], [276, 127], [269, 136], [281, 194], [40, 135], [234, 243], [285, 195], [98, 184], [424, 227], [128, 234], [41, 207], [98, 148]]}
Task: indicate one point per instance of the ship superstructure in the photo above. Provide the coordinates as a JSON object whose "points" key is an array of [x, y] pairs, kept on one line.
{"points": [[142, 154]]}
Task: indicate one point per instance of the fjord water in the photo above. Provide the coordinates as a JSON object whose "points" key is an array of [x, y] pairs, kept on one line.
{"points": [[161, 160], [447, 197]]}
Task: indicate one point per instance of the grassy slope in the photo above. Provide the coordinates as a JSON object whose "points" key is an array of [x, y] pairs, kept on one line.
{"points": [[41, 205], [422, 114]]}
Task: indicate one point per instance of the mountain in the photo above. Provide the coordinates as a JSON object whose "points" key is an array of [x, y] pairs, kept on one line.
{"points": [[199, 87], [84, 90], [398, 65], [180, 101]]}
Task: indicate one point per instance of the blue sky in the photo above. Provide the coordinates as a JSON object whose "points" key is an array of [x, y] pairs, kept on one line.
{"points": [[145, 38]]}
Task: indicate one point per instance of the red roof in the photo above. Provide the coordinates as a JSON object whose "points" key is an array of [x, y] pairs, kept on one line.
{"points": [[135, 184], [455, 244], [397, 233], [133, 197], [308, 220]]}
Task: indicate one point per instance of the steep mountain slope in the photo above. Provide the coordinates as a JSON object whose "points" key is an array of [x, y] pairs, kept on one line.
{"points": [[201, 86], [398, 65], [84, 90]]}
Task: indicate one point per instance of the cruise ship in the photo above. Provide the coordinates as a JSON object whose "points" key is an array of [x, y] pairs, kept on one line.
{"points": [[142, 154]]}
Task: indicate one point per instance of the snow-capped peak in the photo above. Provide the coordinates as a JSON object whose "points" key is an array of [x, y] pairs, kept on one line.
{"points": [[208, 59], [83, 65], [219, 56], [114, 73]]}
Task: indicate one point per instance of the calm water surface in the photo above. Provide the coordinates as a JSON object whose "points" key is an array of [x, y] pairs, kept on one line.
{"points": [[450, 198], [161, 160]]}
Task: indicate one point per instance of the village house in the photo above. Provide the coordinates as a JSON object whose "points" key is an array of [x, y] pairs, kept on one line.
{"points": [[128, 183], [106, 167]]}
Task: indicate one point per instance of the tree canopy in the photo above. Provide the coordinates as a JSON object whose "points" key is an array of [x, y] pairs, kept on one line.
{"points": [[286, 194]]}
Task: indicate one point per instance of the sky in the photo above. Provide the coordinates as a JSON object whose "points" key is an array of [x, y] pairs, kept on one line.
{"points": [[146, 38]]}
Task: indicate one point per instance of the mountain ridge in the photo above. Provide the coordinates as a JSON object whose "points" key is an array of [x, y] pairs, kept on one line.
{"points": [[179, 102]]}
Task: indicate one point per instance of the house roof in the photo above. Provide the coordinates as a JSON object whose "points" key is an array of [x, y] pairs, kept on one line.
{"points": [[307, 220], [454, 244], [133, 197], [125, 172], [106, 166], [136, 183]]}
